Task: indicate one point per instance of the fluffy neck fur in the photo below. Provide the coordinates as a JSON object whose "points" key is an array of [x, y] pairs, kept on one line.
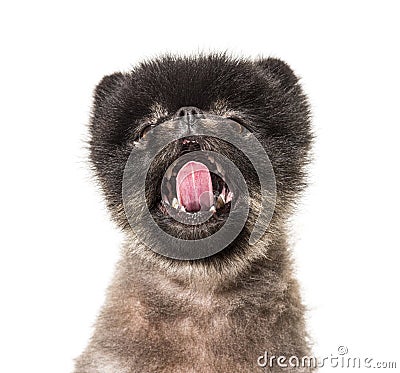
{"points": [[188, 323]]}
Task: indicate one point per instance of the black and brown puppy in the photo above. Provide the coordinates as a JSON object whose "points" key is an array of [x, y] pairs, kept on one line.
{"points": [[220, 313]]}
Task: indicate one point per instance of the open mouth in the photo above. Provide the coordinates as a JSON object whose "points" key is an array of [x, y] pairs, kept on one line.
{"points": [[194, 187]]}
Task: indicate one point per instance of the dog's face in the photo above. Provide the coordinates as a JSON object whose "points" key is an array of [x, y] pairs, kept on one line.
{"points": [[262, 96]]}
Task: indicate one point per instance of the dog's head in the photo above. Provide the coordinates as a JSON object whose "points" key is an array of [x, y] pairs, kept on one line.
{"points": [[262, 97]]}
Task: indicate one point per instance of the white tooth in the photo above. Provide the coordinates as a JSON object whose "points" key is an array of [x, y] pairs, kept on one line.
{"points": [[135, 143], [229, 197], [175, 203], [220, 201], [219, 168], [168, 173], [183, 209], [212, 209], [223, 191]]}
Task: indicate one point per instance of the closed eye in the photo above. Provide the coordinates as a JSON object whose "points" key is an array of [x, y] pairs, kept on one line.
{"points": [[146, 130], [240, 123], [142, 133]]}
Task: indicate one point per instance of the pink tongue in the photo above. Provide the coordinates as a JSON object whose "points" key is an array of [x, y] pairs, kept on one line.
{"points": [[194, 187]]}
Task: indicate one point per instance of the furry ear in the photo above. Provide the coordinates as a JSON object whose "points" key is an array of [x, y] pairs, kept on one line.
{"points": [[108, 99], [107, 86], [278, 71]]}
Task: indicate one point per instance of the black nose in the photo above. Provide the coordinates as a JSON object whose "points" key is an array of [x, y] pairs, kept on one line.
{"points": [[189, 114]]}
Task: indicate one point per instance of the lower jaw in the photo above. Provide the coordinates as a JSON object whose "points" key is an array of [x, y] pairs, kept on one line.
{"points": [[186, 231], [167, 211]]}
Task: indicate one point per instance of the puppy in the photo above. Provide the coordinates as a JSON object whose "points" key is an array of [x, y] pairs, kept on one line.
{"points": [[220, 309]]}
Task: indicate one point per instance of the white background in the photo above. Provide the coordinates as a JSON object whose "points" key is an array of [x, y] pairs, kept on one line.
{"points": [[58, 247]]}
